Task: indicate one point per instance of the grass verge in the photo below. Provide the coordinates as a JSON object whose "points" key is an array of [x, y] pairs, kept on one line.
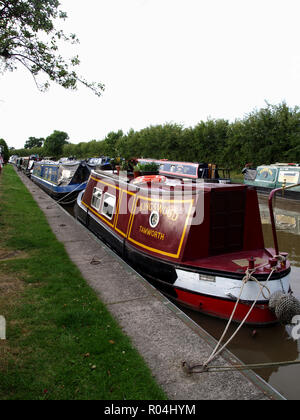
{"points": [[62, 343], [236, 177]]}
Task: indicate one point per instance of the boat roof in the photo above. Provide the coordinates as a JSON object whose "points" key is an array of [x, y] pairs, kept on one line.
{"points": [[181, 169], [169, 184], [58, 163], [281, 165]]}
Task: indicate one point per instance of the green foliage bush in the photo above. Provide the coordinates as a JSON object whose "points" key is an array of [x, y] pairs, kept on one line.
{"points": [[264, 136], [146, 167]]}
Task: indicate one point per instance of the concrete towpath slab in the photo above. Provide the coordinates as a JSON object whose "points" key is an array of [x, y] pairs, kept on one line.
{"points": [[161, 332]]}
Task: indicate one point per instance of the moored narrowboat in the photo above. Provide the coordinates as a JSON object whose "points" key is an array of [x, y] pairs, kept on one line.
{"points": [[61, 179], [13, 159], [102, 162], [265, 178], [200, 243], [191, 170]]}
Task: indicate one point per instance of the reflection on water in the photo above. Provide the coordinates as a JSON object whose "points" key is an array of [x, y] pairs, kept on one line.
{"points": [[270, 344], [287, 216]]}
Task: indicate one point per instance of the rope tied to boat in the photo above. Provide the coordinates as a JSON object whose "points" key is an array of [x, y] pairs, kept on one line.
{"points": [[190, 369], [67, 195], [249, 277], [217, 350], [71, 192]]}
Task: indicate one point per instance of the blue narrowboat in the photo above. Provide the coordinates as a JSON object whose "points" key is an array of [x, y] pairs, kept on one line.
{"points": [[61, 179]]}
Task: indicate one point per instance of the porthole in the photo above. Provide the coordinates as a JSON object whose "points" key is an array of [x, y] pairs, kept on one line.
{"points": [[154, 219]]}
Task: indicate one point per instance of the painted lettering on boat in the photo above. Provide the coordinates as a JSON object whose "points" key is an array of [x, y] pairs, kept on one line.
{"points": [[163, 210], [153, 233]]}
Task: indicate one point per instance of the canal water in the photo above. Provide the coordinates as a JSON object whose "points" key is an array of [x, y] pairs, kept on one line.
{"points": [[275, 343]]}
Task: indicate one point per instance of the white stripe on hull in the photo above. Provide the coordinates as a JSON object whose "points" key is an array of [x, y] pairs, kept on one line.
{"points": [[226, 288]]}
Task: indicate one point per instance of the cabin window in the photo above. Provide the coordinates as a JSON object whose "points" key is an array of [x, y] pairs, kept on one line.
{"points": [[66, 174], [288, 177], [108, 205], [45, 175], [54, 175], [37, 170], [96, 198], [266, 174], [49, 175]]}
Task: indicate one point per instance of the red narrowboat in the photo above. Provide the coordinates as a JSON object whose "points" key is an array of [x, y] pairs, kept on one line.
{"points": [[196, 241]]}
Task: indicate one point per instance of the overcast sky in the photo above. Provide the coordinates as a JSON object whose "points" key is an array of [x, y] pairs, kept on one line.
{"points": [[161, 61]]}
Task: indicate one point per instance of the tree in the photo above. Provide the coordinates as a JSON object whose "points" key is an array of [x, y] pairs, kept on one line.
{"points": [[34, 142], [54, 143], [28, 37], [5, 151], [111, 143]]}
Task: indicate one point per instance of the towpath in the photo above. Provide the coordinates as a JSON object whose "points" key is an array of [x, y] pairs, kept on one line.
{"points": [[162, 334]]}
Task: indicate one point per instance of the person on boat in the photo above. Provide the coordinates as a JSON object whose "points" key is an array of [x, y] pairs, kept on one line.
{"points": [[245, 169]]}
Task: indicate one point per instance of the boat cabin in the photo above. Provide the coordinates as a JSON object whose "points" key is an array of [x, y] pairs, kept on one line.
{"points": [[265, 178], [60, 178], [183, 214]]}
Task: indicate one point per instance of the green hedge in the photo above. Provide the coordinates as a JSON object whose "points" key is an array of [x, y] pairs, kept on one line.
{"points": [[267, 135]]}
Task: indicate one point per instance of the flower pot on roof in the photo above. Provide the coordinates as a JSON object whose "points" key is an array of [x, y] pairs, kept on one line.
{"points": [[136, 172], [150, 168]]}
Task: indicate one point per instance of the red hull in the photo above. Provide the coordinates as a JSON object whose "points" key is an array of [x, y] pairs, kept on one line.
{"points": [[221, 308]]}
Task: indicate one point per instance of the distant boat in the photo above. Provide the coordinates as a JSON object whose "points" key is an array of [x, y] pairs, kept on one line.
{"points": [[265, 178], [67, 177], [103, 163], [26, 163], [194, 171], [195, 240], [12, 160], [61, 179]]}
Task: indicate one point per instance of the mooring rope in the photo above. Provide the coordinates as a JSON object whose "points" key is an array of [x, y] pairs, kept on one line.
{"points": [[191, 369], [65, 203], [71, 192], [65, 196], [245, 280], [249, 276]]}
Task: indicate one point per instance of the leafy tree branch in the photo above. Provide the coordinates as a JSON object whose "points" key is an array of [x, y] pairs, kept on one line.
{"points": [[23, 27]]}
